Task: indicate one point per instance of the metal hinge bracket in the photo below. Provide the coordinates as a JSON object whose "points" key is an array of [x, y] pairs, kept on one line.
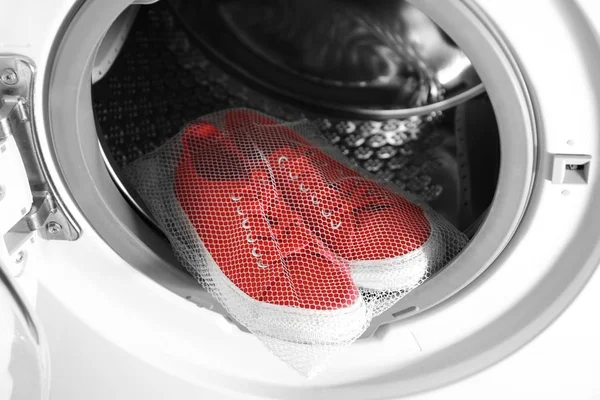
{"points": [[12, 115], [45, 215], [48, 219]]}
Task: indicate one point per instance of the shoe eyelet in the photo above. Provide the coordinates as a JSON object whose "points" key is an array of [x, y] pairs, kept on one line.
{"points": [[326, 214], [236, 198], [303, 189], [239, 211], [315, 201], [249, 238], [245, 224], [293, 177], [261, 265], [255, 253], [336, 226], [282, 159]]}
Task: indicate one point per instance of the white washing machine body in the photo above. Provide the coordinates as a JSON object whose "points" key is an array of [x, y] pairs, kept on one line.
{"points": [[524, 327]]}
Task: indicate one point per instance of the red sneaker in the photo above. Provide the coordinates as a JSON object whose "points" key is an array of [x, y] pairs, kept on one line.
{"points": [[261, 262], [390, 242]]}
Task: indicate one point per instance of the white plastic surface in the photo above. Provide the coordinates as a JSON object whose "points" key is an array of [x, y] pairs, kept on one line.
{"points": [[116, 334], [17, 250], [23, 360], [22, 262], [16, 199]]}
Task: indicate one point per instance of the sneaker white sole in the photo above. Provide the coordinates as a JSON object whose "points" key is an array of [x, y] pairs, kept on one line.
{"points": [[402, 273], [291, 324]]}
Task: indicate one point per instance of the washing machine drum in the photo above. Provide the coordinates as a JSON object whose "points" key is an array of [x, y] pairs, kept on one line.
{"points": [[177, 69], [170, 72], [361, 86]]}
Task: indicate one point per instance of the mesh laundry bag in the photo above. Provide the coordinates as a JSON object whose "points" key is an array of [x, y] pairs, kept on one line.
{"points": [[296, 245]]}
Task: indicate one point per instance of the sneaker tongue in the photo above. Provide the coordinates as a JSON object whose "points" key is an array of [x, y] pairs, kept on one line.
{"points": [[279, 231], [259, 195], [281, 243], [349, 199]]}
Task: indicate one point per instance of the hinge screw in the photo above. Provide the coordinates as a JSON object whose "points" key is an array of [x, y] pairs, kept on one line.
{"points": [[8, 76], [53, 228], [20, 257]]}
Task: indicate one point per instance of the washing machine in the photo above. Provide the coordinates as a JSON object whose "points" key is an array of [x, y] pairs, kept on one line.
{"points": [[96, 305]]}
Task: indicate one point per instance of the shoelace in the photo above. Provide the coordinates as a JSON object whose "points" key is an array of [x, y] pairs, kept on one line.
{"points": [[274, 231], [343, 195]]}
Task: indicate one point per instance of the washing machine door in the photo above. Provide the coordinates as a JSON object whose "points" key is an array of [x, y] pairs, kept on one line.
{"points": [[24, 367]]}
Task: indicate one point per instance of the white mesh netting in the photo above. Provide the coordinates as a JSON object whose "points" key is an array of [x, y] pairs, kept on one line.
{"points": [[296, 245]]}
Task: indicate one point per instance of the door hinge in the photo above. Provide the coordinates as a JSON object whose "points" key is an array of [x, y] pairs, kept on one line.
{"points": [[46, 216], [47, 219], [12, 115]]}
